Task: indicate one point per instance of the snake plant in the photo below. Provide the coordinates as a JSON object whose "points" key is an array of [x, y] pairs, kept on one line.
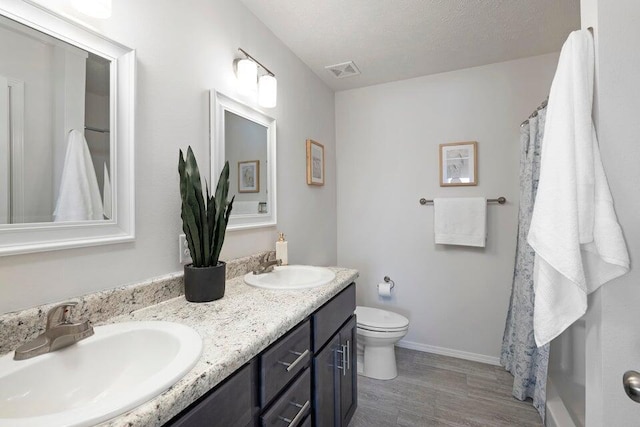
{"points": [[204, 216]]}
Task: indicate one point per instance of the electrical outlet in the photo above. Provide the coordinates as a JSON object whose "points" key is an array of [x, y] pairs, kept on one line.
{"points": [[185, 254]]}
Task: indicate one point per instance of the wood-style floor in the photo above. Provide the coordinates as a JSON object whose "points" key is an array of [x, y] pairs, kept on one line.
{"points": [[433, 390]]}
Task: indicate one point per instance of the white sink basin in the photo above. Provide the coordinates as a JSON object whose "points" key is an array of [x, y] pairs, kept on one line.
{"points": [[118, 368], [291, 277]]}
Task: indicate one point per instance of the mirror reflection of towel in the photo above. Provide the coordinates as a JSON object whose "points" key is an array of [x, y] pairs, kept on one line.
{"points": [[106, 194], [79, 196]]}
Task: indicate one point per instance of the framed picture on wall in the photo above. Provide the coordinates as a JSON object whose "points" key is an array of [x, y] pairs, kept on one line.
{"points": [[315, 163], [459, 164], [249, 176]]}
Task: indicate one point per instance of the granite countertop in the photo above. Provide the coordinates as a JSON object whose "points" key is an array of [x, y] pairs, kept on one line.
{"points": [[234, 330]]}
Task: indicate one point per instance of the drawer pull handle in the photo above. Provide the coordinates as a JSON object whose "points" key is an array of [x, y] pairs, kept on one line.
{"points": [[343, 354], [301, 357], [301, 413], [348, 364]]}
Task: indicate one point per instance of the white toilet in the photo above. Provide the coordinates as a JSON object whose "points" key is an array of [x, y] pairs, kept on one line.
{"points": [[378, 332]]}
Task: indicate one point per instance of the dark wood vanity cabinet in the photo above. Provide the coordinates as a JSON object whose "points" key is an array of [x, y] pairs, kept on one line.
{"points": [[349, 379], [325, 377], [335, 379], [283, 361], [306, 378], [293, 406], [234, 403]]}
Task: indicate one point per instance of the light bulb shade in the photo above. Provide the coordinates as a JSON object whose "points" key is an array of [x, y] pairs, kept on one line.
{"points": [[94, 8], [247, 73], [267, 91]]}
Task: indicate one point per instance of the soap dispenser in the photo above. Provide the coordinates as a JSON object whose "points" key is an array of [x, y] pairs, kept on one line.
{"points": [[281, 250]]}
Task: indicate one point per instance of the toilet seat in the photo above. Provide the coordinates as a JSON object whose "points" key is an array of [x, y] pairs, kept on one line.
{"points": [[376, 320], [374, 329], [386, 335]]}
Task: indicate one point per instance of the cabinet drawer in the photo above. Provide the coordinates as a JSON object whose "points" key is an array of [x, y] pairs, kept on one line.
{"points": [[332, 315], [283, 361], [232, 404], [294, 404]]}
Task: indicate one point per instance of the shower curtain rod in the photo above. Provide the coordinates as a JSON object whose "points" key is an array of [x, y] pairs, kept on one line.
{"points": [[535, 113], [546, 101], [96, 129]]}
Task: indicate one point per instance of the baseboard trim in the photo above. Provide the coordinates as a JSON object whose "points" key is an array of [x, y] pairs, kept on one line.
{"points": [[450, 352]]}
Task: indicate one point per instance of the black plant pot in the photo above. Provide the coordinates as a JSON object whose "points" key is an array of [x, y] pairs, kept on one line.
{"points": [[204, 284]]}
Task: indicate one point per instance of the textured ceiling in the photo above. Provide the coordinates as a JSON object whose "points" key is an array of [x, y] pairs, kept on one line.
{"points": [[398, 39]]}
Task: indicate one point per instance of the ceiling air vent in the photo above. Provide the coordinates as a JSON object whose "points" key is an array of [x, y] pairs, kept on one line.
{"points": [[340, 71]]}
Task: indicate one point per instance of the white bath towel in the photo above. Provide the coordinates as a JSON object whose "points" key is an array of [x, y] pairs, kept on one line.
{"points": [[460, 221], [79, 197], [574, 230], [106, 194]]}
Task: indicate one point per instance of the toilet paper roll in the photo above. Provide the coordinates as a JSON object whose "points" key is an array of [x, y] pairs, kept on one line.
{"points": [[384, 289]]}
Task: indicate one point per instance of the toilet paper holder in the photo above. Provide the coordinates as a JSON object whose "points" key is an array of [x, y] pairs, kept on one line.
{"points": [[387, 279]]}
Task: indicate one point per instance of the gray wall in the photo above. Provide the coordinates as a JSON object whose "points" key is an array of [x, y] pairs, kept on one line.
{"points": [[182, 53], [387, 136]]}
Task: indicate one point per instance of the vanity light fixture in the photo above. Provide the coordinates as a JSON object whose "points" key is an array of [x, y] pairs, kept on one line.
{"points": [[267, 91], [247, 73], [267, 85], [95, 8]]}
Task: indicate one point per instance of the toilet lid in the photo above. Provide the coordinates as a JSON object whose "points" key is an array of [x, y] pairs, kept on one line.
{"points": [[374, 318]]}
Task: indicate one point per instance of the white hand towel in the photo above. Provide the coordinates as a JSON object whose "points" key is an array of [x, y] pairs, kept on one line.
{"points": [[106, 194], [460, 221], [79, 197], [574, 230]]}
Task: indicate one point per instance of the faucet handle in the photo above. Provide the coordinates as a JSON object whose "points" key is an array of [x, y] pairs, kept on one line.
{"points": [[60, 314]]}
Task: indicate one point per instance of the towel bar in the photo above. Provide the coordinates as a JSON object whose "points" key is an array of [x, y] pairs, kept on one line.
{"points": [[500, 200]]}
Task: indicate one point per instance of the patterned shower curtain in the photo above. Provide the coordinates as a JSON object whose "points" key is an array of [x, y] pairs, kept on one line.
{"points": [[519, 355]]}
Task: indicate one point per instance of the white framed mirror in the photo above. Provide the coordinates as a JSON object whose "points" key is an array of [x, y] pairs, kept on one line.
{"points": [[246, 138], [66, 133]]}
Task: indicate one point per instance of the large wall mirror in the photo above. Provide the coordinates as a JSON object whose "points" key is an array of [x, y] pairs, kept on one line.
{"points": [[246, 138], [66, 133]]}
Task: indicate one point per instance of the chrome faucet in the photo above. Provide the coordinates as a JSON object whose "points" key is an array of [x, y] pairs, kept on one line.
{"points": [[267, 266], [61, 332]]}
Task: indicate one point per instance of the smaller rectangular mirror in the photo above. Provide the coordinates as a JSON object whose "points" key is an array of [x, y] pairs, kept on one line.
{"points": [[246, 138]]}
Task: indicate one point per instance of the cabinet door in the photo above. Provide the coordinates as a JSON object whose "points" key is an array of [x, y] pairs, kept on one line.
{"points": [[231, 404], [326, 405], [348, 378]]}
